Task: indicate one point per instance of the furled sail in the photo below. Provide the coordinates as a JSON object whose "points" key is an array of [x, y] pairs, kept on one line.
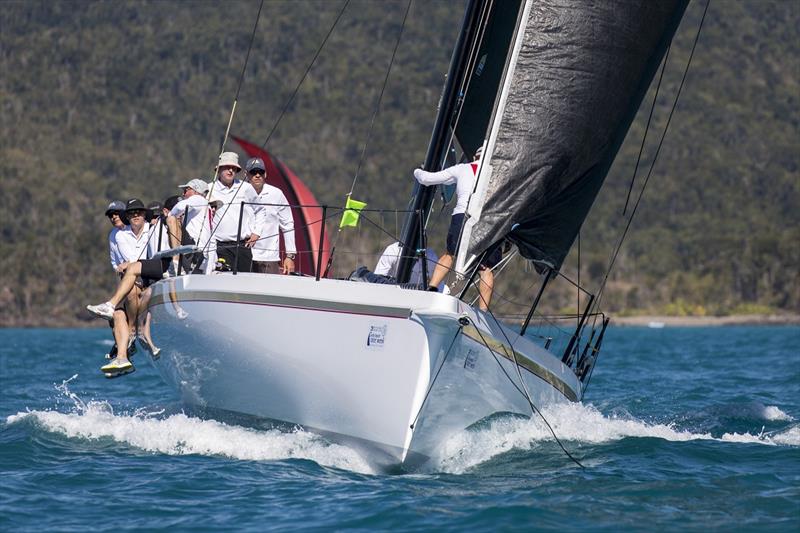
{"points": [[575, 75]]}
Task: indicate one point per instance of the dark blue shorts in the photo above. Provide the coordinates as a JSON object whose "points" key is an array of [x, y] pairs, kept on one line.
{"points": [[454, 233]]}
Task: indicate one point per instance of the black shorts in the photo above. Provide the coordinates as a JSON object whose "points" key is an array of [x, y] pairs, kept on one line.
{"points": [[454, 233], [153, 269]]}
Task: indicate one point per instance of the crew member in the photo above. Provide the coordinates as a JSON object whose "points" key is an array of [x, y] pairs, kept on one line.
{"points": [[277, 217], [193, 211]]}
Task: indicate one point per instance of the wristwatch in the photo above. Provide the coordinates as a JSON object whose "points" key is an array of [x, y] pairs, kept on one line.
{"points": [[291, 256]]}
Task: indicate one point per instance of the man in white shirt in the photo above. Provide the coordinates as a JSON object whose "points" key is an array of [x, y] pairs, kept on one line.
{"points": [[387, 264], [191, 214], [235, 238], [131, 243], [277, 217], [464, 176]]}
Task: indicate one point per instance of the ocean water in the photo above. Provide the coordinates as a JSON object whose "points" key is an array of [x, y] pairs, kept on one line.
{"points": [[682, 428]]}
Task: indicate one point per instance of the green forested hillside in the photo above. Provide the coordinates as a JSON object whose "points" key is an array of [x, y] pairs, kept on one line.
{"points": [[105, 100]]}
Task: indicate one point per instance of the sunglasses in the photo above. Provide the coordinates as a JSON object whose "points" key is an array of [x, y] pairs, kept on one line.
{"points": [[135, 213], [257, 173]]}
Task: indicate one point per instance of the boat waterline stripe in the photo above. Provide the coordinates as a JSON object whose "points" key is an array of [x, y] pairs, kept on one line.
{"points": [[535, 368], [282, 301]]}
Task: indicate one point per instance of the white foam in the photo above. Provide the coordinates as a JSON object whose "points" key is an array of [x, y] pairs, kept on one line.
{"points": [[179, 434], [790, 437], [576, 423], [770, 412]]}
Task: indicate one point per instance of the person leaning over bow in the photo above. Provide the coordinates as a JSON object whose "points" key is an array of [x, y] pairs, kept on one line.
{"points": [[194, 207], [233, 193], [277, 217], [132, 242], [463, 175]]}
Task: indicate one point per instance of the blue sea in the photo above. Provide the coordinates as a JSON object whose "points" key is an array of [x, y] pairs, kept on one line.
{"points": [[681, 429]]}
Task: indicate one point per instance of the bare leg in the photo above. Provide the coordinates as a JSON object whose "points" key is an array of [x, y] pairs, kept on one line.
{"points": [[441, 270], [485, 288], [121, 334], [127, 283]]}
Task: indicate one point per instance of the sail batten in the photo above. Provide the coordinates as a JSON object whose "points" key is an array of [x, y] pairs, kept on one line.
{"points": [[576, 83]]}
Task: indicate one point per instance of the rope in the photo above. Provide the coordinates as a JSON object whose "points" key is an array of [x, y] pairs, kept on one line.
{"points": [[527, 395], [652, 165], [308, 69]]}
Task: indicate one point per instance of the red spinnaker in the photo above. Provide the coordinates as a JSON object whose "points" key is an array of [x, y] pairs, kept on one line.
{"points": [[307, 216]]}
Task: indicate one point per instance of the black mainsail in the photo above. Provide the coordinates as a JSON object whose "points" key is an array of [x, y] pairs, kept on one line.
{"points": [[573, 89], [551, 89]]}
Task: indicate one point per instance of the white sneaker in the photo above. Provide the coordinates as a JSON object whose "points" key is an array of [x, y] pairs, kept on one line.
{"points": [[103, 310]]}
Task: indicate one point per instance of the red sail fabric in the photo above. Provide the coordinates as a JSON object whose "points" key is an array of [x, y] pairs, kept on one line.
{"points": [[307, 217]]}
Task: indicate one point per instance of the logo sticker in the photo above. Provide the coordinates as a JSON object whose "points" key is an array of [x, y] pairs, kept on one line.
{"points": [[377, 336]]}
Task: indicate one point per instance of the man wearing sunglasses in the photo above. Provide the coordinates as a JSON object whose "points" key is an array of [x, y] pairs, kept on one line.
{"points": [[132, 242], [277, 218]]}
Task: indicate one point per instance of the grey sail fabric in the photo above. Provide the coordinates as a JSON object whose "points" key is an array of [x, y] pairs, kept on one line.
{"points": [[582, 71]]}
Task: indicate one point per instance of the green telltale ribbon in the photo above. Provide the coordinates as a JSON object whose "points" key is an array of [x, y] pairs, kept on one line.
{"points": [[352, 210]]}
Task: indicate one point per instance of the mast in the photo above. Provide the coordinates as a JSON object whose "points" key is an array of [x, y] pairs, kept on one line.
{"points": [[422, 197]]}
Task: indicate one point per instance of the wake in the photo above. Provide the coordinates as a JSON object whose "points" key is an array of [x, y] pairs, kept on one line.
{"points": [[179, 434], [577, 423]]}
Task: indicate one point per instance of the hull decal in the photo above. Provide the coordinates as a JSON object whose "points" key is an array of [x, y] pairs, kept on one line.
{"points": [[282, 301], [533, 367]]}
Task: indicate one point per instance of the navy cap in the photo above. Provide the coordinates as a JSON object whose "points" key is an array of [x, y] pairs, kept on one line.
{"points": [[115, 207], [255, 163]]}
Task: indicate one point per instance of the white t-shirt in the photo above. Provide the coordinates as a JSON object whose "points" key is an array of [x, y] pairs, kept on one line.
{"points": [[387, 264], [463, 175], [131, 247], [275, 218]]}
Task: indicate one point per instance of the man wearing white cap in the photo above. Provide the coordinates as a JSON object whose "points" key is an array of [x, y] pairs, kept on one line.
{"points": [[234, 237], [193, 210], [277, 220]]}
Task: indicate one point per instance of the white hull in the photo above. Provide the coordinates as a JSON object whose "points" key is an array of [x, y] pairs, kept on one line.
{"points": [[361, 363]]}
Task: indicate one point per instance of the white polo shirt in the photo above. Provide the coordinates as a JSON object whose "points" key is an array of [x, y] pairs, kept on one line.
{"points": [[226, 218], [275, 218], [131, 247]]}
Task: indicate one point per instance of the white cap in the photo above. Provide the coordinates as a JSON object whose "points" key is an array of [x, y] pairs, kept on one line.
{"points": [[197, 184], [229, 159]]}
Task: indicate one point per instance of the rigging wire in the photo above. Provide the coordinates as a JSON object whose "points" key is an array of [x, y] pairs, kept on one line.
{"points": [[308, 69], [655, 158], [230, 122], [369, 131], [646, 129], [380, 98], [527, 395]]}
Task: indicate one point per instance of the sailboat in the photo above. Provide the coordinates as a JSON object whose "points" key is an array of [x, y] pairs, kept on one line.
{"points": [[549, 89]]}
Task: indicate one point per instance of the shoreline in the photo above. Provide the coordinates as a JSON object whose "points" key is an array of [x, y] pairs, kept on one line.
{"points": [[653, 321], [702, 321]]}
